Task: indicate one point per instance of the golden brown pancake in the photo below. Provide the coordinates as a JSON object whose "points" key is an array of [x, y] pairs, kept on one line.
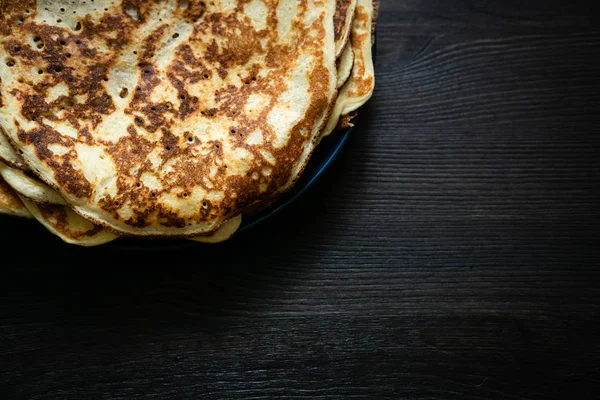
{"points": [[166, 119], [48, 206]]}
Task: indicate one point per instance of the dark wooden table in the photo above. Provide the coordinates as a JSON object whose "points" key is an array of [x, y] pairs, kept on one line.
{"points": [[451, 251]]}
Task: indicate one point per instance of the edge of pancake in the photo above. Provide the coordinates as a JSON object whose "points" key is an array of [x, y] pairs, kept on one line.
{"points": [[345, 64], [8, 154], [225, 232], [359, 87], [347, 6], [10, 203], [62, 222], [29, 187], [346, 120]]}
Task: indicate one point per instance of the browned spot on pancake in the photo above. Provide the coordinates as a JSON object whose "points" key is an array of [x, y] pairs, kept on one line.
{"points": [[169, 143], [193, 11], [240, 41], [170, 218], [84, 136], [179, 75], [155, 115], [56, 65]]}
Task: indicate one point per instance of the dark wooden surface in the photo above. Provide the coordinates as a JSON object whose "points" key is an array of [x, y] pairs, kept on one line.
{"points": [[451, 251]]}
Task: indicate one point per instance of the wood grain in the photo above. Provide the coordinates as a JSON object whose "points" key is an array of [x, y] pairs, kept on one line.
{"points": [[450, 252]]}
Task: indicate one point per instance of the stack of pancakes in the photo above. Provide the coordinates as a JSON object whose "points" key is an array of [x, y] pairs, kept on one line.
{"points": [[170, 118]]}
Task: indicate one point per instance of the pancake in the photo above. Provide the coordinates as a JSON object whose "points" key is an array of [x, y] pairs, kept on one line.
{"points": [[359, 87], [225, 231], [8, 155], [344, 65], [166, 119], [342, 23], [30, 187], [68, 225], [10, 203]]}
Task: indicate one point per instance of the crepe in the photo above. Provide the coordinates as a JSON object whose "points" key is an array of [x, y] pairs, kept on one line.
{"points": [[68, 225], [74, 229], [10, 202], [359, 87], [344, 65], [30, 187], [166, 119], [48, 206], [8, 155], [342, 23]]}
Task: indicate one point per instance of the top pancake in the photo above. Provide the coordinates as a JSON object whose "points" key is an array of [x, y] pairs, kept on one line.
{"points": [[166, 119]]}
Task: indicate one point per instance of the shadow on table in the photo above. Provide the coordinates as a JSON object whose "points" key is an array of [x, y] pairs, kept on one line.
{"points": [[112, 283]]}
